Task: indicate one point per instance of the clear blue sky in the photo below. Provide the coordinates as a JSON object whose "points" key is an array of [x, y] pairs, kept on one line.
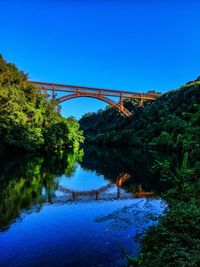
{"points": [[131, 45]]}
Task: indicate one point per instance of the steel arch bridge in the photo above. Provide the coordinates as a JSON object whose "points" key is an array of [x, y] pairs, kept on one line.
{"points": [[98, 93]]}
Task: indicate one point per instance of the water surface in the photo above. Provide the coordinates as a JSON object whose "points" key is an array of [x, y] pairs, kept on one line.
{"points": [[81, 209]]}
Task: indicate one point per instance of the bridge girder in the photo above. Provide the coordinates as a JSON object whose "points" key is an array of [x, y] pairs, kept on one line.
{"points": [[98, 93]]}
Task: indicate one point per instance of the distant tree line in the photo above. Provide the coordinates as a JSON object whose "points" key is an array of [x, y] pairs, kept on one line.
{"points": [[172, 120]]}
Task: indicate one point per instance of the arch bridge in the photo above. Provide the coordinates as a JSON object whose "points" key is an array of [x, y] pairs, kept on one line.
{"points": [[103, 194], [98, 93], [119, 182]]}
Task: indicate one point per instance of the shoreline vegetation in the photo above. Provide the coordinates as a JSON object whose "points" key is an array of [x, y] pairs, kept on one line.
{"points": [[29, 122], [172, 122]]}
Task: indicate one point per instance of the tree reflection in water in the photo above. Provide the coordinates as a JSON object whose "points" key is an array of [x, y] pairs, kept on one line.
{"points": [[27, 183]]}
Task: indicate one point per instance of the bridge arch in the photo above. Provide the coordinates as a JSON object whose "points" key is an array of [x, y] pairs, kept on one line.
{"points": [[118, 106], [98, 93]]}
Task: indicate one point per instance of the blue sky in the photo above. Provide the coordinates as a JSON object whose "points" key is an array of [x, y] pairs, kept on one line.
{"points": [[129, 45]]}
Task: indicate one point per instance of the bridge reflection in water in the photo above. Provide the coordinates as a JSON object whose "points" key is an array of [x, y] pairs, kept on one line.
{"points": [[101, 175], [104, 192]]}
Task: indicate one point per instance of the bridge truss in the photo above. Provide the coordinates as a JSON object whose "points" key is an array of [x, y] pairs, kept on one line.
{"points": [[98, 93]]}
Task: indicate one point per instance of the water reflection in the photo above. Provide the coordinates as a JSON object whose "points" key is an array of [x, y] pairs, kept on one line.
{"points": [[101, 174], [103, 192], [30, 181]]}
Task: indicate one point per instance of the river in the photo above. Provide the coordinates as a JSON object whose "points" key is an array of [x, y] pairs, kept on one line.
{"points": [[85, 209]]}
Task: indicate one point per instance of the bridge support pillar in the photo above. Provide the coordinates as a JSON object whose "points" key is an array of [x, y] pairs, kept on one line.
{"points": [[74, 195], [97, 195], [100, 94], [121, 102], [141, 104], [53, 93]]}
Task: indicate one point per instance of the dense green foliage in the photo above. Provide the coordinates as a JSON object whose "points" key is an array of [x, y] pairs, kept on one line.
{"points": [[175, 241], [172, 121], [28, 119]]}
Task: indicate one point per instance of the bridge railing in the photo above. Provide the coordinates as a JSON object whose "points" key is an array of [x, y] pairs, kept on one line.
{"points": [[105, 92]]}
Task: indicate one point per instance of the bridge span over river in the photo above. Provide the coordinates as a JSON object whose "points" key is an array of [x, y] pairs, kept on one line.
{"points": [[98, 93]]}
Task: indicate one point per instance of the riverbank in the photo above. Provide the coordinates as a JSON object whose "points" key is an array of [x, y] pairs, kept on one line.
{"points": [[175, 241], [170, 123]]}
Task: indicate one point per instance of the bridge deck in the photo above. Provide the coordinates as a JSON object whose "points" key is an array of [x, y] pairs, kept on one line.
{"points": [[105, 92]]}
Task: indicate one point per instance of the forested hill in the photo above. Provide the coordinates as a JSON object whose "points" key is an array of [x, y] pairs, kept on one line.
{"points": [[173, 119], [28, 118]]}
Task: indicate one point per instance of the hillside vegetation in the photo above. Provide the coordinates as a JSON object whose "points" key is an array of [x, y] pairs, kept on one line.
{"points": [[28, 119], [173, 122]]}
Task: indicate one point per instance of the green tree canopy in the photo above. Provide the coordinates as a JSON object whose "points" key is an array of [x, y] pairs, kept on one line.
{"points": [[28, 118]]}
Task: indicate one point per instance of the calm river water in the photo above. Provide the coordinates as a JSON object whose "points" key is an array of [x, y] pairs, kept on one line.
{"points": [[83, 209]]}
